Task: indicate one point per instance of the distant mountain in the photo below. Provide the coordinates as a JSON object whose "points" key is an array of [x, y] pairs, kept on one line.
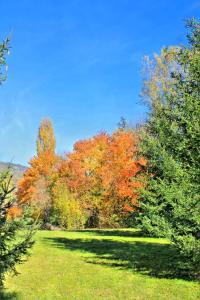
{"points": [[18, 170]]}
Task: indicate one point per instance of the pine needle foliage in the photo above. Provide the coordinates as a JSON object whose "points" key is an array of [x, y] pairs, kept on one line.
{"points": [[170, 203], [15, 234]]}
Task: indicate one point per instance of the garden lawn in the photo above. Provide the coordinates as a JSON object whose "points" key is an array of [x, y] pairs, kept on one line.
{"points": [[100, 264]]}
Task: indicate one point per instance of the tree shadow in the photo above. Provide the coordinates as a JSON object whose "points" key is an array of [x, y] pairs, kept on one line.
{"points": [[152, 259], [5, 295], [118, 232]]}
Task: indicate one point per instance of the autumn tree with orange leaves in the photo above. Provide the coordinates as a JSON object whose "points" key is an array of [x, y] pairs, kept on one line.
{"points": [[119, 172], [82, 170], [102, 173], [35, 186]]}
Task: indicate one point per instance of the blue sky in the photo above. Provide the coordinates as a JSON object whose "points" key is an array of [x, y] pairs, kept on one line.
{"points": [[78, 62]]}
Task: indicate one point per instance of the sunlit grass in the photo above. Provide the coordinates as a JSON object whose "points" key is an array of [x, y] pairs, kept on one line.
{"points": [[100, 264]]}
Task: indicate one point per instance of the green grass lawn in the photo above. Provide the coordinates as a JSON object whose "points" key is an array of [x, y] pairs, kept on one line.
{"points": [[99, 264]]}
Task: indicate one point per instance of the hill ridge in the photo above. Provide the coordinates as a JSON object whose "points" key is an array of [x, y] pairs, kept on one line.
{"points": [[17, 169]]}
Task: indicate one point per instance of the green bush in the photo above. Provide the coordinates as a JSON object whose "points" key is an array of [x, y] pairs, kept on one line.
{"points": [[66, 211]]}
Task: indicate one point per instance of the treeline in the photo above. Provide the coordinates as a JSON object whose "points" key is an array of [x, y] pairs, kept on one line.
{"points": [[96, 185]]}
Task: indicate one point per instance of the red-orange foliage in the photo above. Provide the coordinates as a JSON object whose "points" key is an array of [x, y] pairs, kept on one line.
{"points": [[121, 167], [35, 185], [14, 212], [84, 163], [43, 166], [103, 170]]}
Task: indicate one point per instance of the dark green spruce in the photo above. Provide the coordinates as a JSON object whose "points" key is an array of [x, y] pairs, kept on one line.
{"points": [[15, 235], [170, 203]]}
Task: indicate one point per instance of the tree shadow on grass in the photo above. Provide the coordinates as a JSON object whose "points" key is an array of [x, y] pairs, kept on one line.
{"points": [[5, 295], [118, 232], [153, 259]]}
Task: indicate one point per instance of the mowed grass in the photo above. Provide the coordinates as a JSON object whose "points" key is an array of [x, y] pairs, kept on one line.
{"points": [[99, 264]]}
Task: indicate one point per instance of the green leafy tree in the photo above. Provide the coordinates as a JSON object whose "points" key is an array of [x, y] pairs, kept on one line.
{"points": [[66, 210], [170, 203]]}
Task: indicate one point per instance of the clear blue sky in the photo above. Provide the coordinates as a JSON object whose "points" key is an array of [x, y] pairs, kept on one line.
{"points": [[78, 62]]}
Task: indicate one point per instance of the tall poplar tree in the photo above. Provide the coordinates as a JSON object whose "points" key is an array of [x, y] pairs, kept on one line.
{"points": [[36, 185], [46, 140]]}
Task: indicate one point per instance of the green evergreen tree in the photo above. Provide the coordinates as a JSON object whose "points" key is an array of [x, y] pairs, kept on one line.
{"points": [[13, 244], [4, 50], [15, 235], [170, 203]]}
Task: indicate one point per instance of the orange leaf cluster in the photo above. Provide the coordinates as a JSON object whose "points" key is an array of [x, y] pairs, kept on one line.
{"points": [[14, 212], [106, 165], [42, 166]]}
